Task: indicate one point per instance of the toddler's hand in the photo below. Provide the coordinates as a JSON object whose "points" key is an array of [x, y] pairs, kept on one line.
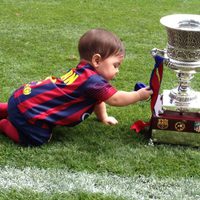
{"points": [[110, 121], [145, 93]]}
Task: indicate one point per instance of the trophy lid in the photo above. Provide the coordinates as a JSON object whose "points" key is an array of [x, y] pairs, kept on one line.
{"points": [[185, 22]]}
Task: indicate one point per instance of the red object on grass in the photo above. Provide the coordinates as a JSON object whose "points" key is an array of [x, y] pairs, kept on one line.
{"points": [[139, 125]]}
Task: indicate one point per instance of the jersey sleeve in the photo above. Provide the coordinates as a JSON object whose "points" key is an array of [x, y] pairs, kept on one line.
{"points": [[99, 89]]}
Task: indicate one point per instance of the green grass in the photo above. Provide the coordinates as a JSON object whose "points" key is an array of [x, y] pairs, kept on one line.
{"points": [[26, 194], [39, 38]]}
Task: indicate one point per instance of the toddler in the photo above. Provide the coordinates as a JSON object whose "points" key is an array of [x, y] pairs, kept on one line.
{"points": [[36, 108]]}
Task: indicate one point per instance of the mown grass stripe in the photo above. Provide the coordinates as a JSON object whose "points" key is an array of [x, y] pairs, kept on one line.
{"points": [[63, 181]]}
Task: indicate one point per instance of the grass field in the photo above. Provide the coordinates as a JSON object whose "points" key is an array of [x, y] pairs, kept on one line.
{"points": [[39, 38]]}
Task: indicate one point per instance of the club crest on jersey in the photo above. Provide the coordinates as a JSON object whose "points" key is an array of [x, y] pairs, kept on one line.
{"points": [[27, 89]]}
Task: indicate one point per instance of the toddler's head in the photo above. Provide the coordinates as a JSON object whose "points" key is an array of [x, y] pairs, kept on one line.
{"points": [[100, 41]]}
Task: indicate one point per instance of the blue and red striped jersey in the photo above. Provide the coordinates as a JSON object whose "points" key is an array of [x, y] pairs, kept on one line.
{"points": [[67, 100]]}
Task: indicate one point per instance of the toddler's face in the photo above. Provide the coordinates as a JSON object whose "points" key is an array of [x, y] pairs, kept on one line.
{"points": [[109, 67]]}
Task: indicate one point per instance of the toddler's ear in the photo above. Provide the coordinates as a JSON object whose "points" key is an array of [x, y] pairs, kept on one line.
{"points": [[96, 59]]}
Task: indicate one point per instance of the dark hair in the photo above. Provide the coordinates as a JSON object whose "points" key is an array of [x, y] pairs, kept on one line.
{"points": [[99, 41]]}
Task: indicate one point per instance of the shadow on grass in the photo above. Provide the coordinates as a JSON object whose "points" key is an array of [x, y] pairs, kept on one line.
{"points": [[96, 133]]}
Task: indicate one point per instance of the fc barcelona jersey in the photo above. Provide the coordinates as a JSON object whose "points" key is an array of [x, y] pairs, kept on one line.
{"points": [[67, 100]]}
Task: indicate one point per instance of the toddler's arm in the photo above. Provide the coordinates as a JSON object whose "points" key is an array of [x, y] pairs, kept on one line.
{"points": [[101, 113], [122, 98]]}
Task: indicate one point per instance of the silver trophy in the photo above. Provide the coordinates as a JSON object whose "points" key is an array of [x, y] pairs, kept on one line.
{"points": [[182, 55], [176, 116]]}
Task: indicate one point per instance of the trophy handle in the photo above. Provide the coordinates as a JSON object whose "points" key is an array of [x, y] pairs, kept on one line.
{"points": [[162, 53], [159, 52]]}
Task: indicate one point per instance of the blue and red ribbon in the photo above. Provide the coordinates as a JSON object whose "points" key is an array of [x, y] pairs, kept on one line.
{"points": [[155, 83]]}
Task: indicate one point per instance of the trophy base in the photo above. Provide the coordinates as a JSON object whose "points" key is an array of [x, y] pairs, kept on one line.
{"points": [[176, 138], [173, 127], [169, 103]]}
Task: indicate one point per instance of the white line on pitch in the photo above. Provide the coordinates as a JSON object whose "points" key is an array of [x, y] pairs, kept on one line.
{"points": [[64, 181]]}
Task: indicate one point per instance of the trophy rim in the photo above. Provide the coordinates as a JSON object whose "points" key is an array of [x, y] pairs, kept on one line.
{"points": [[184, 22]]}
